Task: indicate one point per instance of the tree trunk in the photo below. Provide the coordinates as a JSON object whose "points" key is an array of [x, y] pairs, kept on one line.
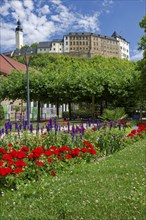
{"points": [[105, 103], [101, 108], [39, 111], [57, 109], [140, 113], [93, 106], [69, 110]]}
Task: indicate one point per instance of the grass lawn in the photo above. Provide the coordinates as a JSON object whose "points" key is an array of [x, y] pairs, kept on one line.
{"points": [[111, 189]]}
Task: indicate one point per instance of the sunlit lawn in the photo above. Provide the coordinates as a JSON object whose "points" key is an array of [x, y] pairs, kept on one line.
{"points": [[112, 188]]}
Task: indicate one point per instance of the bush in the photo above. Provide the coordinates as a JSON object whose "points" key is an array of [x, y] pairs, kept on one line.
{"points": [[114, 114], [78, 114], [107, 140], [2, 115]]}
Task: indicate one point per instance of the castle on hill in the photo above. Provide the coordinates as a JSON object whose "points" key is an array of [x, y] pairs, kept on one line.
{"points": [[83, 44]]}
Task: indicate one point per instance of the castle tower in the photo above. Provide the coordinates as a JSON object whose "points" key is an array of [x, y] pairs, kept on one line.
{"points": [[123, 46], [19, 35]]}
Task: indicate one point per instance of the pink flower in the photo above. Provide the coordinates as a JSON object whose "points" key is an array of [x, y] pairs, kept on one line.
{"points": [[48, 153], [87, 144], [18, 170], [20, 163], [40, 163], [7, 157], [5, 171], [1, 163], [53, 173], [50, 160], [11, 163], [68, 156], [10, 145], [2, 150], [20, 155], [24, 148]]}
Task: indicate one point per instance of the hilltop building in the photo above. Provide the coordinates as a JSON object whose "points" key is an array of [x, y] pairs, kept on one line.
{"points": [[84, 44], [87, 44]]}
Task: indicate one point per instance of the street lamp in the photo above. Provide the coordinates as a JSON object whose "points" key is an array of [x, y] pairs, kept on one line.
{"points": [[27, 54]]}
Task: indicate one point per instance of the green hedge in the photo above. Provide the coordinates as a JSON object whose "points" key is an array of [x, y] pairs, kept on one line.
{"points": [[78, 114], [2, 115]]}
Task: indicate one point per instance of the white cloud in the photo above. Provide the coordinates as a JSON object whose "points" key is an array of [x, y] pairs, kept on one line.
{"points": [[89, 23], [136, 55], [7, 35], [44, 20], [44, 10], [4, 10], [28, 4], [56, 2], [107, 3]]}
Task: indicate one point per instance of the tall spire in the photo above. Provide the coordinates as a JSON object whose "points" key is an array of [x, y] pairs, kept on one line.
{"points": [[19, 35], [19, 27]]}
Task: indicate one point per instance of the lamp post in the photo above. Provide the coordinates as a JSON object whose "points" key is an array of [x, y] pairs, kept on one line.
{"points": [[27, 54]]}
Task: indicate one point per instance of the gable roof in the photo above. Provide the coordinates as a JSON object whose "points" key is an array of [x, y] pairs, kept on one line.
{"points": [[115, 35], [45, 44], [7, 64]]}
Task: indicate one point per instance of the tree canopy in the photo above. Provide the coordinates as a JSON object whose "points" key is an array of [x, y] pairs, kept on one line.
{"points": [[64, 79]]}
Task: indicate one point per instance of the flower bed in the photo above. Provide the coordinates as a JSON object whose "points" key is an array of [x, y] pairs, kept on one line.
{"points": [[15, 162], [139, 131], [30, 155]]}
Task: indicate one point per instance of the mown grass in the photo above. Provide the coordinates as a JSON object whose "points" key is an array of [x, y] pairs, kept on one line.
{"points": [[111, 189]]}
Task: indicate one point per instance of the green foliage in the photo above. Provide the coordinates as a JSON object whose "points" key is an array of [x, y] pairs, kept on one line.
{"points": [[2, 115], [142, 43], [106, 140], [64, 79], [113, 114], [112, 189], [78, 114], [25, 46], [141, 65], [34, 44]]}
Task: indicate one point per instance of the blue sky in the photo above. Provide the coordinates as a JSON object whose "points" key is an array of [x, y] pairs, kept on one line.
{"points": [[44, 20]]}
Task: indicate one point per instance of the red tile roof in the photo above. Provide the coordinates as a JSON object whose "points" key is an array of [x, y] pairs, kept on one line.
{"points": [[7, 64]]}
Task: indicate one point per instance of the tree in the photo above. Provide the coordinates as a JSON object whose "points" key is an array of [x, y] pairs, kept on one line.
{"points": [[102, 82], [34, 44], [141, 66], [142, 43]]}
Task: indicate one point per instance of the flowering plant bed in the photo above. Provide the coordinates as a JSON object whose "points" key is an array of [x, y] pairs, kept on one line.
{"points": [[19, 161], [28, 155]]}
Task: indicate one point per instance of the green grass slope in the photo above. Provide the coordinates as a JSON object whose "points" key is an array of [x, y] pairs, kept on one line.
{"points": [[111, 189]]}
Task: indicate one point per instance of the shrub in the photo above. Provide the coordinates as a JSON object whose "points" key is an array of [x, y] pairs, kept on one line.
{"points": [[78, 114], [114, 114], [107, 140], [2, 115]]}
